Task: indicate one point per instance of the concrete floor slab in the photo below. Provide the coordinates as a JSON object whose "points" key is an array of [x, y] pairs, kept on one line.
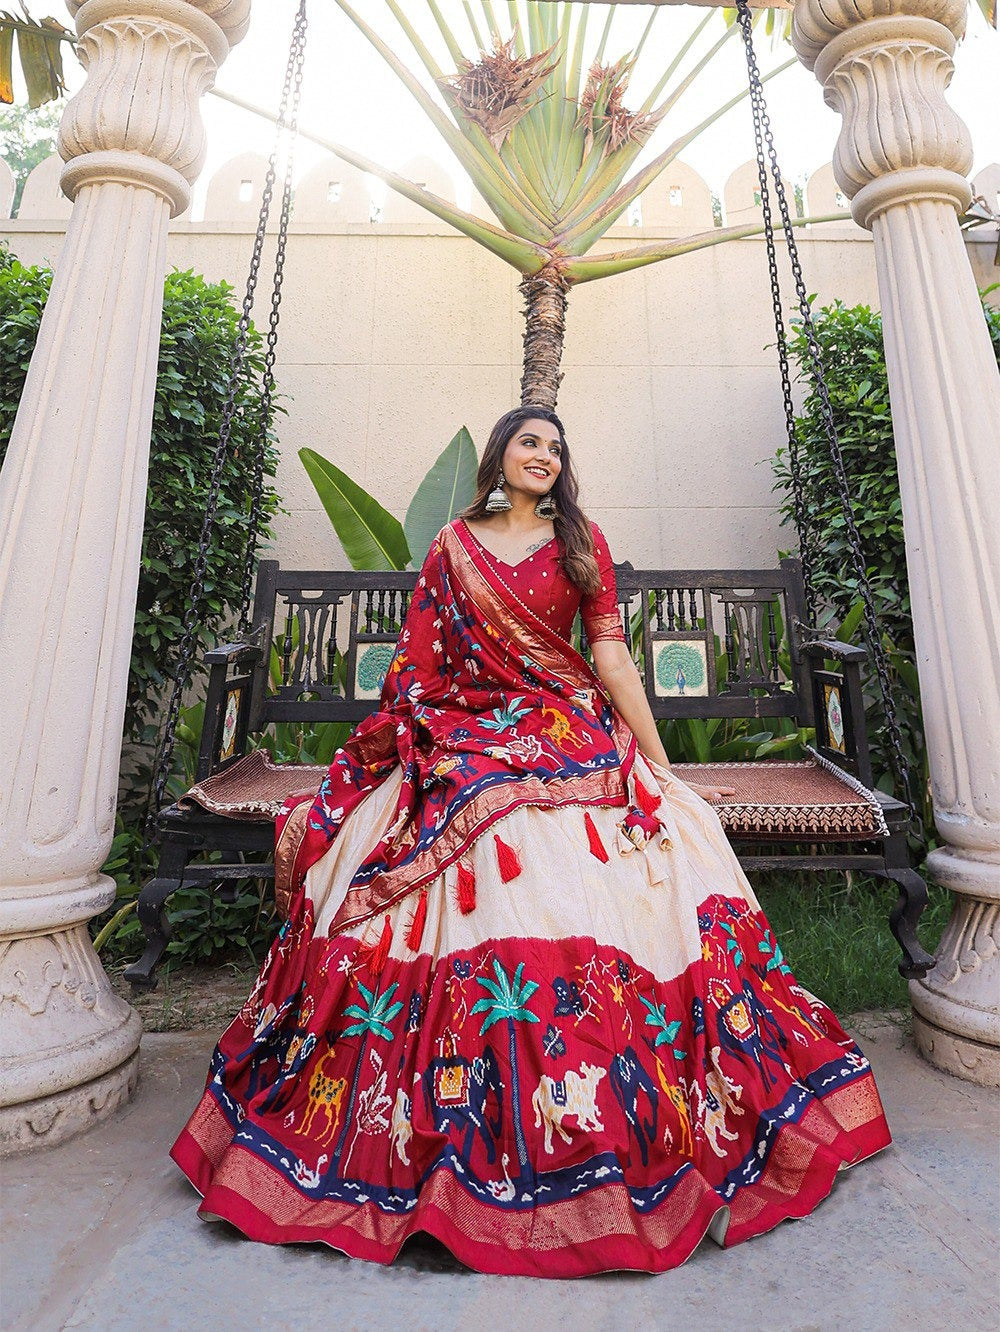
{"points": [[101, 1233]]}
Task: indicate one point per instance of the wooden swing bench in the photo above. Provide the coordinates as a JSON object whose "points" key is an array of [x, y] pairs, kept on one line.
{"points": [[336, 631]]}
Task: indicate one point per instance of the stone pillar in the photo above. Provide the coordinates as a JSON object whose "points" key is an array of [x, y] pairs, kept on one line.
{"points": [[903, 157], [72, 496]]}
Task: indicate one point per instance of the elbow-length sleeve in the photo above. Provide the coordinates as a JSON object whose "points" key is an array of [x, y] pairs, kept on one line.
{"points": [[602, 620]]}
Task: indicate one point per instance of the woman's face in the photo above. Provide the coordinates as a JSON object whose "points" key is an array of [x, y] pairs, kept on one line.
{"points": [[533, 457]]}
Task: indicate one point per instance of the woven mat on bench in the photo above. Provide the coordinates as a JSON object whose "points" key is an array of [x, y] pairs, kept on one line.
{"points": [[777, 799], [774, 799], [255, 788]]}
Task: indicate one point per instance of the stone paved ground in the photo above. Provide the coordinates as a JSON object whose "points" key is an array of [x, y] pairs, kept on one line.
{"points": [[101, 1233]]}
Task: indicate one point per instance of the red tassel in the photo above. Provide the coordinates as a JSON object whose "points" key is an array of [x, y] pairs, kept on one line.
{"points": [[377, 957], [594, 838], [646, 801], [466, 889], [415, 934], [507, 859]]}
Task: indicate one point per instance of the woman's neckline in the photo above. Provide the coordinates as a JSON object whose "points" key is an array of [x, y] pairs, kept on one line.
{"points": [[499, 558]]}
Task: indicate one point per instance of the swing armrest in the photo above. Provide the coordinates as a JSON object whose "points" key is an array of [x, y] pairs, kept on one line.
{"points": [[817, 649], [838, 705], [232, 668], [233, 654]]}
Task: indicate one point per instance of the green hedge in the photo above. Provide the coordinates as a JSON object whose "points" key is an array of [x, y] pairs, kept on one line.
{"points": [[850, 340], [199, 331]]}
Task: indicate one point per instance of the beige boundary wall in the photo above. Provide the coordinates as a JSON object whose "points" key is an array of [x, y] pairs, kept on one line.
{"points": [[396, 332]]}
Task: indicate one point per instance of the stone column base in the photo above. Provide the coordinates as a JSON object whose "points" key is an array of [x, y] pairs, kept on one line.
{"points": [[958, 1055], [53, 1119], [68, 1044]]}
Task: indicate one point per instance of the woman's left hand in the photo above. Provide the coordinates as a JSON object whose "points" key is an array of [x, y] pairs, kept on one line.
{"points": [[713, 794]]}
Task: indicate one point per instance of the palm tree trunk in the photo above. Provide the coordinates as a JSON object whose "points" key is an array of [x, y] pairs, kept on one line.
{"points": [[349, 1113], [515, 1097], [545, 330]]}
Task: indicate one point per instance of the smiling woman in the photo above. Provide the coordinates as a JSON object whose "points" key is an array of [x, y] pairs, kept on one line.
{"points": [[525, 999]]}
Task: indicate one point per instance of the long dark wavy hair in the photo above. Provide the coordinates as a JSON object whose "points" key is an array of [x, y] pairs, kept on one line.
{"points": [[572, 526]]}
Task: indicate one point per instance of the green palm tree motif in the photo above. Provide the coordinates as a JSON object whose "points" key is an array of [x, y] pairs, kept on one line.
{"points": [[505, 719], [508, 1001], [770, 947], [656, 1016], [732, 943], [372, 1020]]}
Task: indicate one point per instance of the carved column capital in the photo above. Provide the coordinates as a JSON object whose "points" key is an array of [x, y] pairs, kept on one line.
{"points": [[72, 496], [148, 63], [885, 66], [903, 156]]}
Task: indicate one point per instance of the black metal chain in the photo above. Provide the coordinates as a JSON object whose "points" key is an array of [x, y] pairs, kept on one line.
{"points": [[799, 506], [291, 100], [287, 119], [765, 142]]}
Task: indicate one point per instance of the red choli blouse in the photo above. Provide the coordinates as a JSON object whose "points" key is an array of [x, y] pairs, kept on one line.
{"points": [[539, 582]]}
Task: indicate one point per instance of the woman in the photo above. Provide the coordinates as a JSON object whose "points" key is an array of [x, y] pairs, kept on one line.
{"points": [[525, 999]]}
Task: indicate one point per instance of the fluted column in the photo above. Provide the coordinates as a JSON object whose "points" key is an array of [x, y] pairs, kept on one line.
{"points": [[902, 157], [72, 496]]}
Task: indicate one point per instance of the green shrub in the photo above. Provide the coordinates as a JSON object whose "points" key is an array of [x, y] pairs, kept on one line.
{"points": [[197, 340], [199, 332], [850, 340]]}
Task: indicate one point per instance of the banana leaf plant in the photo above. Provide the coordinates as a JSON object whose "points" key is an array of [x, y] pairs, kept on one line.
{"points": [[39, 51], [537, 115], [371, 536]]}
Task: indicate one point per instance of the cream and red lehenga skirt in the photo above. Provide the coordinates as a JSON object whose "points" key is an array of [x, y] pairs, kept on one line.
{"points": [[568, 1054]]}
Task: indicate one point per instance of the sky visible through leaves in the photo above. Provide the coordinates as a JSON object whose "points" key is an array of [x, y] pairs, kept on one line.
{"points": [[352, 97]]}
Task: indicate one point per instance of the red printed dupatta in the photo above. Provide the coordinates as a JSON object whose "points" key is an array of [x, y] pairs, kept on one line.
{"points": [[486, 709]]}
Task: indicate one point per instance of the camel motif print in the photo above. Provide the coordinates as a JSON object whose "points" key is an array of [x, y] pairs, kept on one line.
{"points": [[325, 1095], [560, 732], [576, 1095], [677, 1097], [720, 1096]]}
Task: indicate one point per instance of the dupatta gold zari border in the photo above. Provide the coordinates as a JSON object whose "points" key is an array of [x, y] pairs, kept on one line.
{"points": [[286, 853], [532, 640], [501, 605], [607, 787]]}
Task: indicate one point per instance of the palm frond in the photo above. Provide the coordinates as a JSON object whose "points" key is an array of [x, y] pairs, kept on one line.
{"points": [[499, 88], [589, 267], [39, 51]]}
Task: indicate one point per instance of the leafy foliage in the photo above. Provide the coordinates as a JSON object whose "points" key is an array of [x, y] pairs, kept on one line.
{"points": [[198, 333], [23, 293], [371, 536], [534, 112], [536, 116], [40, 55], [850, 340]]}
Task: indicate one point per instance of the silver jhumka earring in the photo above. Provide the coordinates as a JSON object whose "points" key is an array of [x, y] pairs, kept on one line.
{"points": [[546, 507], [498, 501]]}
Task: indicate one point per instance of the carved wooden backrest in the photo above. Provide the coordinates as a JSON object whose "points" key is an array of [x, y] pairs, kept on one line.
{"points": [[708, 643], [715, 642]]}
